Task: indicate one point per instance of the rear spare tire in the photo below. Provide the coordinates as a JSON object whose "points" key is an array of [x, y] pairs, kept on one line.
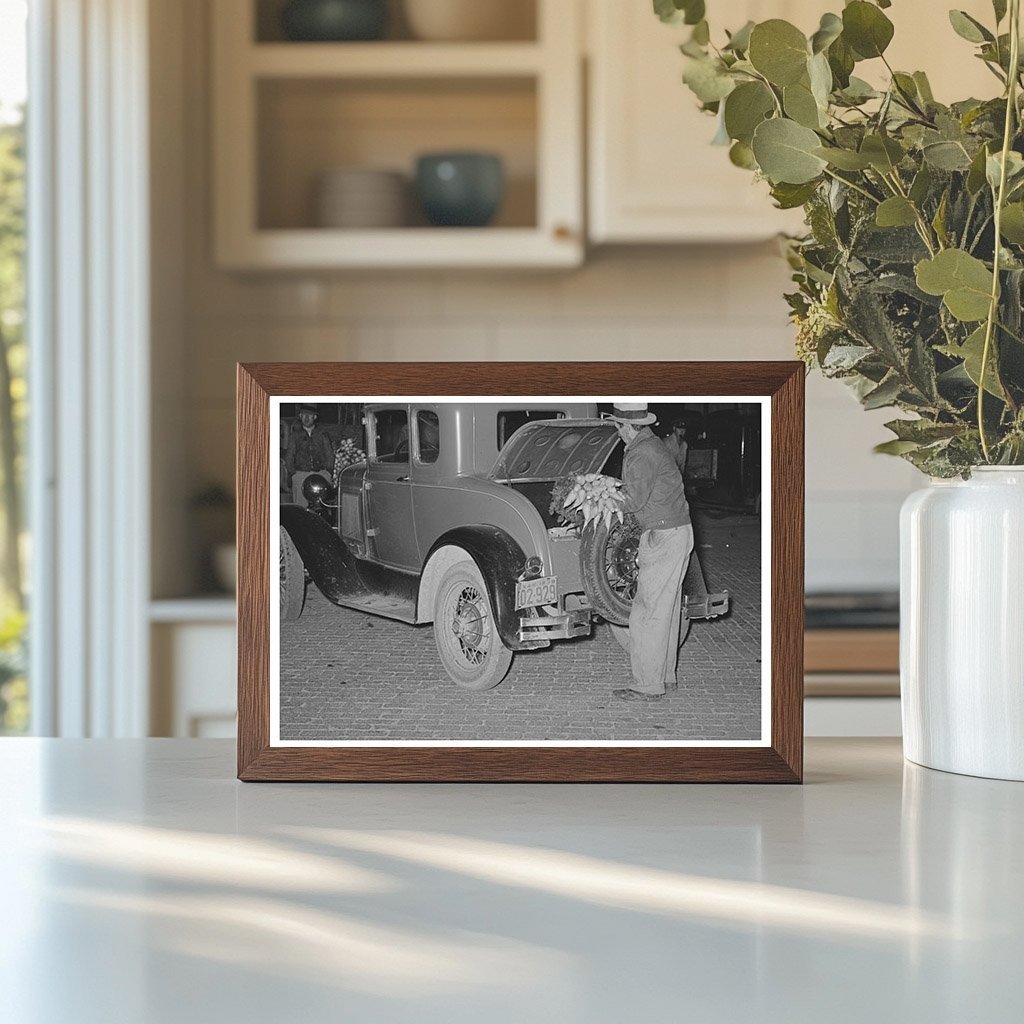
{"points": [[608, 567]]}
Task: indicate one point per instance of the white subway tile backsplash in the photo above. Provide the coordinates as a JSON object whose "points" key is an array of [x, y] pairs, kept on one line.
{"points": [[248, 298], [501, 298], [402, 341], [646, 285], [413, 296]]}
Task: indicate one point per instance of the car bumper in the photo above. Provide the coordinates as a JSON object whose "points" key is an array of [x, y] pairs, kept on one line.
{"points": [[566, 626], [706, 606]]}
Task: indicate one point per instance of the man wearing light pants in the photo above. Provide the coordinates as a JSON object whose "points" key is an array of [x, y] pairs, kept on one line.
{"points": [[654, 493]]}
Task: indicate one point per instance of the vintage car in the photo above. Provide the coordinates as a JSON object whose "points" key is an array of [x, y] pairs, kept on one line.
{"points": [[448, 522]]}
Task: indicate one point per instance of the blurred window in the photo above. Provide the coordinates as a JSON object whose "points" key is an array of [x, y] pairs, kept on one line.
{"points": [[14, 693]]}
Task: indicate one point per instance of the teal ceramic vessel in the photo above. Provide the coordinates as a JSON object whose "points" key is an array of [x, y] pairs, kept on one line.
{"points": [[333, 21], [461, 190]]}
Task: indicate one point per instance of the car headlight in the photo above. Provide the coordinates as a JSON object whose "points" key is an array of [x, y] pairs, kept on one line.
{"points": [[315, 489]]}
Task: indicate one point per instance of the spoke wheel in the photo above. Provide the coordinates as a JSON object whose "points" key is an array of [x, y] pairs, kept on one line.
{"points": [[465, 631], [292, 578], [608, 567]]}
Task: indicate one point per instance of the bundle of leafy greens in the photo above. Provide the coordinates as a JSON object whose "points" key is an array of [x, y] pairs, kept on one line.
{"points": [[911, 277]]}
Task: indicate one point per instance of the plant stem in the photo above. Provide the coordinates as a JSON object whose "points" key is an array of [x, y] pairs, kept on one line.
{"points": [[855, 187], [993, 309], [923, 228]]}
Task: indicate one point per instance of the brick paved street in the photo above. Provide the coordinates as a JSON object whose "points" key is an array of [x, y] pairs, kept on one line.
{"points": [[349, 675]]}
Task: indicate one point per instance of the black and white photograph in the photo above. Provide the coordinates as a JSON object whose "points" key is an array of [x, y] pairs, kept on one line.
{"points": [[520, 571]]}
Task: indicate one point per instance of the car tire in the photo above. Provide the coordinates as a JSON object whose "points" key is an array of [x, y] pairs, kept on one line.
{"points": [[293, 580], [608, 567], [465, 631]]}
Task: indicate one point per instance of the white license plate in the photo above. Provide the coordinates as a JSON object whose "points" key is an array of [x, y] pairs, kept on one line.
{"points": [[543, 590]]}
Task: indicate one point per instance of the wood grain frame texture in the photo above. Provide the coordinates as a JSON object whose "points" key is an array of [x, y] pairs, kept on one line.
{"points": [[782, 761]]}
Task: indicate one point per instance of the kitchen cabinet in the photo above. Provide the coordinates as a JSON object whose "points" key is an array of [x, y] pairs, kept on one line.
{"points": [[653, 175], [287, 113]]}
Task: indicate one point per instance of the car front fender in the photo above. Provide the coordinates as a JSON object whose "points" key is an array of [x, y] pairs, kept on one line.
{"points": [[332, 567]]}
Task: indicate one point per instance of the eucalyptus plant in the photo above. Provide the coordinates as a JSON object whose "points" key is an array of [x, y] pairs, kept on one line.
{"points": [[910, 278]]}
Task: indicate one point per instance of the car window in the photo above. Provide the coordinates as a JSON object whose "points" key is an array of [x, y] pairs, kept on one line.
{"points": [[390, 436], [510, 420], [428, 436]]}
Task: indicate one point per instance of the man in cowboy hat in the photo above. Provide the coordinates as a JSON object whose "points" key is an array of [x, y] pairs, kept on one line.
{"points": [[654, 493], [309, 451]]}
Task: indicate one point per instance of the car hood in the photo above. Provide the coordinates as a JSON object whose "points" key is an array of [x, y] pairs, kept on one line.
{"points": [[549, 449]]}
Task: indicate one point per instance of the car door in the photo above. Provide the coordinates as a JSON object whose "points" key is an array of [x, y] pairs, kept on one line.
{"points": [[390, 533]]}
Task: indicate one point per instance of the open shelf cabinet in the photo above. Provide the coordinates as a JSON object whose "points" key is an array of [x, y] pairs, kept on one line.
{"points": [[286, 113]]}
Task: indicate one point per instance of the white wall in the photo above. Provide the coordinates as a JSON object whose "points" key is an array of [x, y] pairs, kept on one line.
{"points": [[665, 303]]}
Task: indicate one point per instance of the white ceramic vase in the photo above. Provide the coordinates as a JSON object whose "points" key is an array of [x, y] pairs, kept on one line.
{"points": [[962, 624]]}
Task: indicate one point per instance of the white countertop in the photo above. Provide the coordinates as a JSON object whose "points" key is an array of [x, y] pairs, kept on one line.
{"points": [[143, 885]]}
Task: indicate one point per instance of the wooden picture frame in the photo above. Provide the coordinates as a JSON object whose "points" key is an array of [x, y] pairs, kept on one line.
{"points": [[779, 756]]}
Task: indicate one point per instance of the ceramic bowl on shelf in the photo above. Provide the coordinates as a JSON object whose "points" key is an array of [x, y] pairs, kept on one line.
{"points": [[470, 20], [460, 189], [331, 21], [361, 198]]}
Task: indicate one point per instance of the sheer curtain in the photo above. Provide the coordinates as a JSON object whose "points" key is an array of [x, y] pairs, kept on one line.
{"points": [[88, 299]]}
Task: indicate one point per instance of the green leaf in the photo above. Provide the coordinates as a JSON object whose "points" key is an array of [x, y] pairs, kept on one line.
{"points": [[785, 152], [947, 156], [801, 106], [883, 153], [896, 212], [708, 80], [701, 33], [866, 29], [885, 394], [999, 6], [739, 41], [746, 107], [976, 174], [844, 159], [923, 431], [675, 12], [968, 28], [831, 28], [778, 50], [1012, 225], [789, 197], [924, 87], [895, 447], [963, 281], [858, 91], [741, 155], [1014, 169], [971, 352], [820, 75], [939, 220], [921, 186], [841, 60]]}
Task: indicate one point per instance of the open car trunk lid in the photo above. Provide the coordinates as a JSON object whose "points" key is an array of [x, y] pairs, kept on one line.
{"points": [[545, 450]]}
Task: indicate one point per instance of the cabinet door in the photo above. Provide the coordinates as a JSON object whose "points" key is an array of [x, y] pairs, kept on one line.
{"points": [[654, 175]]}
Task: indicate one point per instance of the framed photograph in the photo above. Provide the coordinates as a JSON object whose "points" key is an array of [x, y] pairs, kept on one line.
{"points": [[520, 571]]}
